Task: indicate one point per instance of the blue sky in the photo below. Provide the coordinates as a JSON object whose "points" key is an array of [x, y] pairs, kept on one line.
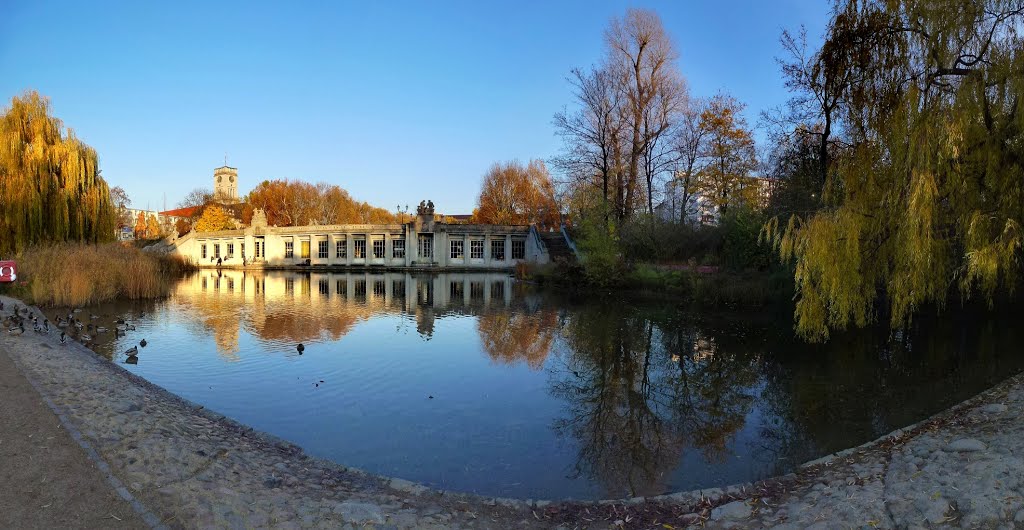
{"points": [[394, 101]]}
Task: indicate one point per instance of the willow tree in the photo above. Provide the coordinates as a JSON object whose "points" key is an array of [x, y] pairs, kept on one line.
{"points": [[928, 199], [50, 184]]}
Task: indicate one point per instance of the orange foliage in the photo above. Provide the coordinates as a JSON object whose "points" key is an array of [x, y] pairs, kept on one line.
{"points": [[296, 203], [514, 337], [517, 195]]}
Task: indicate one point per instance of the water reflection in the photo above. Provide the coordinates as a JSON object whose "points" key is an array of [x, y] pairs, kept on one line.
{"points": [[291, 307], [540, 396]]}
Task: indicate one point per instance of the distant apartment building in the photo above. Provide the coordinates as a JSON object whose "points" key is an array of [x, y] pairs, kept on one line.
{"points": [[696, 208]]}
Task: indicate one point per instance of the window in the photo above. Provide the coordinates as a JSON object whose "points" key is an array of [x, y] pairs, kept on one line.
{"points": [[324, 287], [458, 249], [341, 288], [231, 250], [378, 288], [427, 246], [476, 290], [241, 248], [378, 249], [321, 251], [397, 248], [498, 250], [455, 291], [202, 248], [497, 290], [231, 284], [518, 249], [359, 246], [359, 289], [476, 249], [259, 248], [289, 249], [216, 250], [305, 249], [398, 289], [341, 248], [289, 285]]}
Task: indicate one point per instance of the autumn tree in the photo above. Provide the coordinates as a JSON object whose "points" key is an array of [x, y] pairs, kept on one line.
{"points": [[50, 183], [928, 197], [214, 218], [152, 227], [517, 195], [728, 152], [294, 202], [140, 225]]}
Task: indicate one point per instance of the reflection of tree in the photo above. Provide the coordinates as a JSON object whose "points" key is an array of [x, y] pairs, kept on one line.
{"points": [[638, 392], [511, 337], [863, 384]]}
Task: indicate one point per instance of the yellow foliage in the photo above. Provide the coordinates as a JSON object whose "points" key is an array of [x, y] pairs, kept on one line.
{"points": [[214, 218]]}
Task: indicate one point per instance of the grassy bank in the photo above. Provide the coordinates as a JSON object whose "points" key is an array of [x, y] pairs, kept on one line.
{"points": [[721, 288], [73, 274]]}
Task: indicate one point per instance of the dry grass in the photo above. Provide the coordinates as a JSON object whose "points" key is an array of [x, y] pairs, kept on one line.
{"points": [[73, 274]]}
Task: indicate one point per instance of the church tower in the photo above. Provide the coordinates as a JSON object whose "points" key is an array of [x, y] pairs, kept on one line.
{"points": [[225, 184]]}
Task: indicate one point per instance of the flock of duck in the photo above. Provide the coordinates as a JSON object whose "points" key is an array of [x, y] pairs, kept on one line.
{"points": [[71, 328]]}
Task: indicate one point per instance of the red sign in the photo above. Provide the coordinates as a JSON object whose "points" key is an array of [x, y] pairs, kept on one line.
{"points": [[8, 271]]}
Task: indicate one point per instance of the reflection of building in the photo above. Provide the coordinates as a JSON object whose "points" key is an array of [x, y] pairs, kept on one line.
{"points": [[293, 306]]}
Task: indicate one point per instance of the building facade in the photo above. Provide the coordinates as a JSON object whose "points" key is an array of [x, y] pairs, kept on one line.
{"points": [[421, 243]]}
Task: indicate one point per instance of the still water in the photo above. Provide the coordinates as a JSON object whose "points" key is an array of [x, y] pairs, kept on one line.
{"points": [[472, 382]]}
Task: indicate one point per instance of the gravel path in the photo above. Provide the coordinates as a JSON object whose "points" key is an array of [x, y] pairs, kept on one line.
{"points": [[47, 479], [188, 467]]}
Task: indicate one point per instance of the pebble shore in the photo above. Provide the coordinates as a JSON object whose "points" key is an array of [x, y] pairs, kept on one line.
{"points": [[192, 468]]}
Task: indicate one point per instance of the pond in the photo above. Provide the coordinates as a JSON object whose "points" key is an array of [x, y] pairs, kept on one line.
{"points": [[476, 383]]}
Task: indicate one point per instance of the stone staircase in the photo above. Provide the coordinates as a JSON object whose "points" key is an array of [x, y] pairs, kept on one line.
{"points": [[558, 249]]}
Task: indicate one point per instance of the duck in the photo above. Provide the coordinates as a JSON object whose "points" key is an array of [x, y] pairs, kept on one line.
{"points": [[85, 337], [143, 343], [300, 348], [121, 327], [63, 338], [101, 329], [17, 330], [132, 352]]}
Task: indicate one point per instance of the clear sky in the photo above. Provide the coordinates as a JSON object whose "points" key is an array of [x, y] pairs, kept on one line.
{"points": [[394, 101]]}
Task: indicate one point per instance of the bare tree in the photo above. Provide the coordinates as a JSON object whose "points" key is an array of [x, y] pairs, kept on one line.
{"points": [[642, 59], [689, 142], [618, 138], [591, 135], [817, 82]]}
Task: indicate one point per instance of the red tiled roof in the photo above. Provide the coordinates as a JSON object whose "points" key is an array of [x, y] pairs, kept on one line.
{"points": [[180, 212]]}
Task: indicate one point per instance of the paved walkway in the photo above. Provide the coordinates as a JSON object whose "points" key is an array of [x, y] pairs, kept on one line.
{"points": [[187, 467]]}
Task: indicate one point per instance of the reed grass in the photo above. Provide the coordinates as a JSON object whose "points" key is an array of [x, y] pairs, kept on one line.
{"points": [[74, 274]]}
